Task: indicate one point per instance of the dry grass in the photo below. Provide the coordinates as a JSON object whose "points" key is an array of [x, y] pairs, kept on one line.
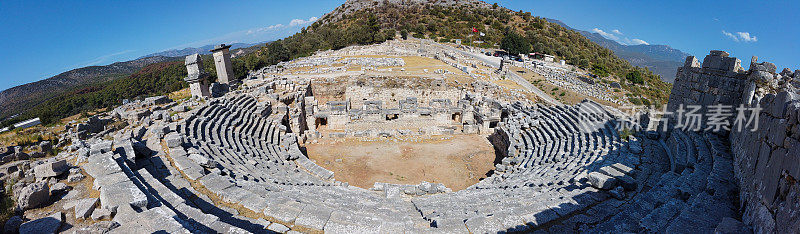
{"points": [[180, 94], [570, 97], [29, 136]]}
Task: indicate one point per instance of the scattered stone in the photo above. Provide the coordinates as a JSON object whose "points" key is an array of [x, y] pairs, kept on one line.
{"points": [[98, 228], [85, 207], [601, 181], [12, 225], [49, 224], [58, 188], [33, 195], [51, 169], [101, 214]]}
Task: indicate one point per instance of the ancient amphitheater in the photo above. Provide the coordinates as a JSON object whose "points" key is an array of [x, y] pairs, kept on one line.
{"points": [[238, 158]]}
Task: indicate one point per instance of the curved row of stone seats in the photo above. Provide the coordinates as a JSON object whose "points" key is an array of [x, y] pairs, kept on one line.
{"points": [[539, 182], [682, 152], [246, 144], [282, 189], [696, 200]]}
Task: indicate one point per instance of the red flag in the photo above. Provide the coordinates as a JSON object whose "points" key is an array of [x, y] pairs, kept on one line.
{"points": [[474, 29]]}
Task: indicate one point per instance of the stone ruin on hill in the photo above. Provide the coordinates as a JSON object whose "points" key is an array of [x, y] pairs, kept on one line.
{"points": [[235, 163]]}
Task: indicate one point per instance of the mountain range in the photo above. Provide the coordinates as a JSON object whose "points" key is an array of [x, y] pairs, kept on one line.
{"points": [[197, 50], [17, 99], [660, 59]]}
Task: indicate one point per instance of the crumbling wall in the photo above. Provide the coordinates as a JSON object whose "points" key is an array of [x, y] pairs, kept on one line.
{"points": [[718, 80], [766, 158], [390, 97], [767, 166]]}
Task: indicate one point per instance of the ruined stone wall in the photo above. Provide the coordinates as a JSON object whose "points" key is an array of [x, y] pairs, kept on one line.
{"points": [[767, 166], [718, 80], [391, 96], [767, 159]]}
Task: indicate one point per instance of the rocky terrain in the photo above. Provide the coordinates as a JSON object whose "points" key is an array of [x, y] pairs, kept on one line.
{"points": [[234, 161]]}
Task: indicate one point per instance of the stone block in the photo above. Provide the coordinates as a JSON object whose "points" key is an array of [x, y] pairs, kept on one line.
{"points": [[51, 169], [123, 193], [173, 140], [285, 212], [100, 147], [601, 181], [49, 224], [85, 207], [314, 217], [100, 214], [33, 195]]}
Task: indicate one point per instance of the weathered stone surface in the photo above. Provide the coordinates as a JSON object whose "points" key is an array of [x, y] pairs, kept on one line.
{"points": [[122, 193], [85, 207], [98, 228], [313, 217], [59, 188], [49, 224], [277, 227], [33, 195], [601, 181], [101, 214], [731, 226], [51, 169], [12, 225], [101, 147], [173, 140], [203, 160]]}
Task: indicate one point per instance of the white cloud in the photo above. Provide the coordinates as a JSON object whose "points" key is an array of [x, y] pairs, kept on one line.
{"points": [[614, 35], [605, 34], [745, 36], [740, 36], [296, 22], [637, 41], [104, 58], [267, 33], [730, 35]]}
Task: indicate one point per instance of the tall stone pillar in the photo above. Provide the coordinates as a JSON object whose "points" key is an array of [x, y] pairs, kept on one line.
{"points": [[196, 77], [222, 61]]}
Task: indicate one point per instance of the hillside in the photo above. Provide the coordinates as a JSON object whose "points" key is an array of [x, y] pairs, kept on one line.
{"points": [[27, 96], [356, 22], [661, 59], [445, 21]]}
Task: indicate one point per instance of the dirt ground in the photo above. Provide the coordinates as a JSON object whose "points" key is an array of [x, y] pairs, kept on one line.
{"points": [[457, 162]]}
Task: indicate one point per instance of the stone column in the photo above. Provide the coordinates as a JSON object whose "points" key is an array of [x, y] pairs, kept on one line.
{"points": [[222, 61], [196, 77]]}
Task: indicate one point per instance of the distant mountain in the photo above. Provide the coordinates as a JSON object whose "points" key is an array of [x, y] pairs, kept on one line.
{"points": [[23, 97], [660, 59], [197, 50]]}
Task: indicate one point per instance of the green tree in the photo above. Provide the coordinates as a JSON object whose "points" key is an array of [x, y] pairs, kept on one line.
{"points": [[515, 44], [635, 76], [404, 34]]}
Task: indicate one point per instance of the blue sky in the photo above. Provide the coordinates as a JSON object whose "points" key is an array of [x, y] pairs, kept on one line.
{"points": [[40, 39]]}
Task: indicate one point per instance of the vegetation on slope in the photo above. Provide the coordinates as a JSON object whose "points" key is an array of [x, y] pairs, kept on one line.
{"points": [[368, 26], [522, 33]]}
